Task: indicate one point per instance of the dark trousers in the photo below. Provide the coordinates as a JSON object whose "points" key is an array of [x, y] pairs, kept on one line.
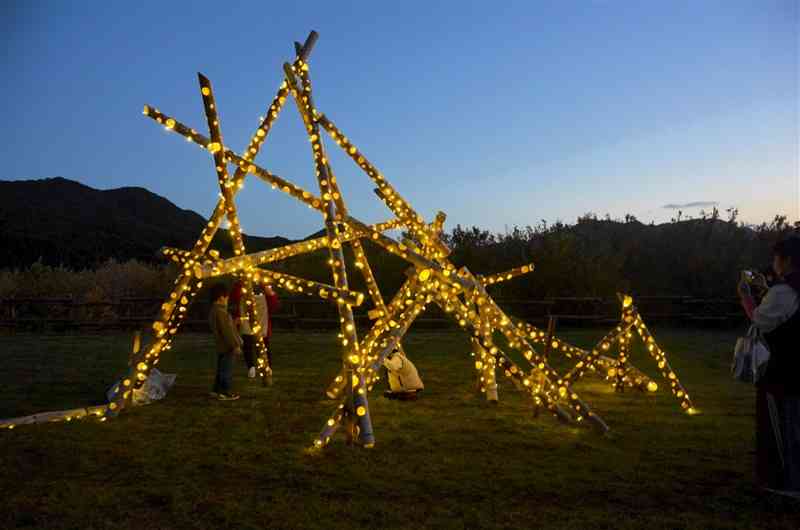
{"points": [[223, 383], [248, 349], [778, 467]]}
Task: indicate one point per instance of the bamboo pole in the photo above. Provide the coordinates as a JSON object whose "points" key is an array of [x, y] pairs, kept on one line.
{"points": [[309, 287], [489, 361], [507, 275], [55, 416], [210, 269], [370, 340], [660, 357], [603, 364], [393, 200], [445, 274], [482, 331], [166, 325], [352, 357], [391, 338], [226, 184], [542, 371], [244, 163]]}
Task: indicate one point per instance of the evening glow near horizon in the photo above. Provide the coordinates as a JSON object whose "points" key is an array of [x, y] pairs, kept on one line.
{"points": [[502, 116]]}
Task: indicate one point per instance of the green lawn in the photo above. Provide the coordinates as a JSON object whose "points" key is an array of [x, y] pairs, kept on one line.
{"points": [[447, 461]]}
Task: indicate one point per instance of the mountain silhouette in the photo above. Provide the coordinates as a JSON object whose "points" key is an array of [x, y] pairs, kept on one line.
{"points": [[63, 222]]}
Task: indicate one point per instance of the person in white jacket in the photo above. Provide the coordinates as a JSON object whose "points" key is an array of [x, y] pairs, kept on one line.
{"points": [[777, 318], [404, 380]]}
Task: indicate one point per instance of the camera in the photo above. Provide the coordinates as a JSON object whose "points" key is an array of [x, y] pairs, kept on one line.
{"points": [[755, 279]]}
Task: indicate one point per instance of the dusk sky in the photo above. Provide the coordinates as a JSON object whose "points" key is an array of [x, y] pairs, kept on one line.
{"points": [[498, 113]]}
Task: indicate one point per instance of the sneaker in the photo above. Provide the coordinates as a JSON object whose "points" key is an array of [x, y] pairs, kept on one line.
{"points": [[233, 396], [252, 372]]}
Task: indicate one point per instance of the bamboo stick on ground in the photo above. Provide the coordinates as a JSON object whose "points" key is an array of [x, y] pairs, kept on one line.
{"points": [[55, 416]]}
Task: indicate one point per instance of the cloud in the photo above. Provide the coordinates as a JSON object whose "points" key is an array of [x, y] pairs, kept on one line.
{"points": [[697, 204]]}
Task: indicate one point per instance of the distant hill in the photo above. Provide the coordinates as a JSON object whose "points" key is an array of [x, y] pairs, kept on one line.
{"points": [[64, 222]]}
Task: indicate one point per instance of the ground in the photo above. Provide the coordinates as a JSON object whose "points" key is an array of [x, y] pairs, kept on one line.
{"points": [[449, 460]]}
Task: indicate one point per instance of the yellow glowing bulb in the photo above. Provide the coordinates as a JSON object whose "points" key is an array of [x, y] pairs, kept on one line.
{"points": [[652, 386], [627, 301], [361, 410], [206, 91]]}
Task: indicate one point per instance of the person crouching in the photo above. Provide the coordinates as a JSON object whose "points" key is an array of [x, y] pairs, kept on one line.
{"points": [[404, 381], [227, 341]]}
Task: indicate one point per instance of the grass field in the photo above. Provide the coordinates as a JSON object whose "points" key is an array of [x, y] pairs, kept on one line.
{"points": [[447, 461]]}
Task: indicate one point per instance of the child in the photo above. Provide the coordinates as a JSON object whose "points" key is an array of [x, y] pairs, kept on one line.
{"points": [[227, 341], [404, 381]]}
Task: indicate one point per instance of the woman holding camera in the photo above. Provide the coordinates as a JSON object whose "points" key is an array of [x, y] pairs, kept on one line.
{"points": [[778, 391]]}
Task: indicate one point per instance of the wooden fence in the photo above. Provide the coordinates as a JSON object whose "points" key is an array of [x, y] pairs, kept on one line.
{"points": [[65, 314]]}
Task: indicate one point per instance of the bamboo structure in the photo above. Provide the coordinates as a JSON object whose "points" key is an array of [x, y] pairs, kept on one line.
{"points": [[432, 279]]}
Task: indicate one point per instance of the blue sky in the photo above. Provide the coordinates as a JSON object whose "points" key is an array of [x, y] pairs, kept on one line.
{"points": [[499, 115]]}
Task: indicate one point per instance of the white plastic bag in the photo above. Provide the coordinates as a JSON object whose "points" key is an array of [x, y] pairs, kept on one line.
{"points": [[750, 357], [155, 388]]}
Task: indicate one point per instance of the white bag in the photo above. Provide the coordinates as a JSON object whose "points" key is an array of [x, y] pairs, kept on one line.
{"points": [[750, 357], [153, 389]]}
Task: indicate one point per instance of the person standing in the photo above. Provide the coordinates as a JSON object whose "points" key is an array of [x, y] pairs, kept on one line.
{"points": [[241, 319], [227, 341], [266, 305], [778, 391]]}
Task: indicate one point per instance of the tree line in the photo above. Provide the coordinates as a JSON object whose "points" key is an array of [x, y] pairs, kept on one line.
{"points": [[700, 257]]}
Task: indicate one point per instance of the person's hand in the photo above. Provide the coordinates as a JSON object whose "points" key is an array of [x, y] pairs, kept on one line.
{"points": [[268, 290], [237, 352]]}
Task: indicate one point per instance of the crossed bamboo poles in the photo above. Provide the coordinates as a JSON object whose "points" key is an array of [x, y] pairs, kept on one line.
{"points": [[432, 278]]}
